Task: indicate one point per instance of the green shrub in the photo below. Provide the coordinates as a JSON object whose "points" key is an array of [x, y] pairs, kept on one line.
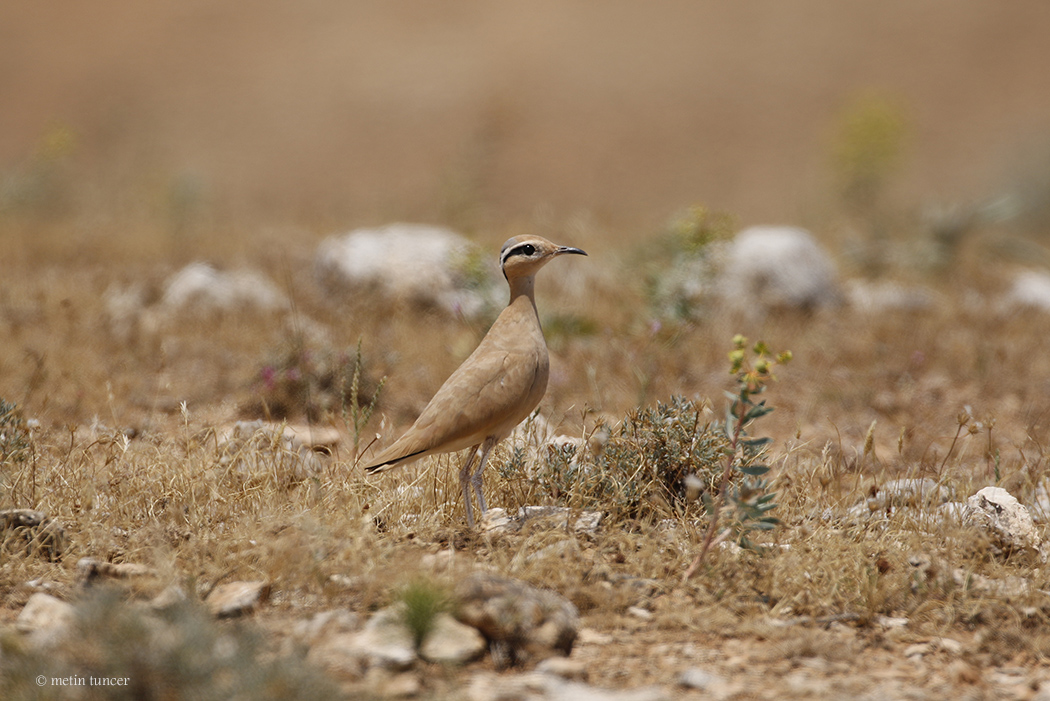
{"points": [[637, 469]]}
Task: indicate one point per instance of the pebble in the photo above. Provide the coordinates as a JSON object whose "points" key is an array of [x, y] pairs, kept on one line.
{"points": [[564, 668], [237, 598], [697, 678]]}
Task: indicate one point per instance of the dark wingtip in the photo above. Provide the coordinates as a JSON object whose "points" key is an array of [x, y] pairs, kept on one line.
{"points": [[394, 461]]}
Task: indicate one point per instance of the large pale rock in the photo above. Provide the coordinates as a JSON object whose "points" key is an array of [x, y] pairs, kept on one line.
{"points": [[426, 265], [564, 667], [777, 267], [998, 512], [312, 437], [522, 624], [538, 437]]}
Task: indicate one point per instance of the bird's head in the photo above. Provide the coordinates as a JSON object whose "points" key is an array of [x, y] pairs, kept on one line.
{"points": [[522, 256]]}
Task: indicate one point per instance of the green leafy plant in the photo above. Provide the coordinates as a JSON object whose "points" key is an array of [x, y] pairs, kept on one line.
{"points": [[743, 492]]}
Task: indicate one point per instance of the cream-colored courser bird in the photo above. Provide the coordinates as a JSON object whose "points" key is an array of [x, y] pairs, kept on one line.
{"points": [[496, 388]]}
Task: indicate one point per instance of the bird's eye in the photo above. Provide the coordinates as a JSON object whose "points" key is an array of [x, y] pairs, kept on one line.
{"points": [[528, 249]]}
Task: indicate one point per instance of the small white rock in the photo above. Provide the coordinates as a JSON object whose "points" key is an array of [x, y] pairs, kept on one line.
{"points": [[586, 521], [564, 668], [998, 512], [890, 623], [590, 636], [949, 645], [386, 641], [452, 642], [917, 650], [700, 679], [496, 521], [639, 612], [201, 289], [1030, 289]]}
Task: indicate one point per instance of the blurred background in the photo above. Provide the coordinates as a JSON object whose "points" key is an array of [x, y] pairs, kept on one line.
{"points": [[331, 114], [911, 139]]}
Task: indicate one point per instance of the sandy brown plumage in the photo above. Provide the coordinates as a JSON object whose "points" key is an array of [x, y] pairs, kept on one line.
{"points": [[496, 388]]}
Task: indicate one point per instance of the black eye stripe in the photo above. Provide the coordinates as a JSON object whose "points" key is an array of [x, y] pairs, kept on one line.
{"points": [[522, 249]]}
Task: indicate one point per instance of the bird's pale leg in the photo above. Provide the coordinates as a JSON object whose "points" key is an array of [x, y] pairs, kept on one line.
{"points": [[464, 483], [475, 480]]}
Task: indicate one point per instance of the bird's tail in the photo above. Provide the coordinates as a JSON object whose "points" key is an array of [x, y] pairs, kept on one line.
{"points": [[381, 467]]}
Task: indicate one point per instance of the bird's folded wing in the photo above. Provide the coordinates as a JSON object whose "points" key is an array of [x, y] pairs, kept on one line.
{"points": [[480, 396], [486, 392]]}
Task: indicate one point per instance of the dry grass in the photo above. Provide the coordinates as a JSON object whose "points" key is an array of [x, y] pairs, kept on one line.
{"points": [[135, 477]]}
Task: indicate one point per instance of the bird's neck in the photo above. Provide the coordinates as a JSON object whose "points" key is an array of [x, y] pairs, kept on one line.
{"points": [[523, 287]]}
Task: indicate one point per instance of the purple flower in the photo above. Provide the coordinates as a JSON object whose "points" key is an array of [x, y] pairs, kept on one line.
{"points": [[268, 375]]}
